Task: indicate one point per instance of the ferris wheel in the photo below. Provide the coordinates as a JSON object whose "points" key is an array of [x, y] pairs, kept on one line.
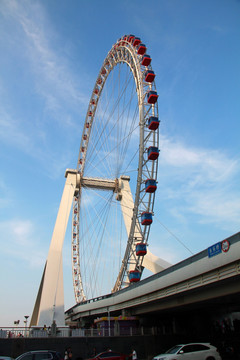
{"points": [[117, 164]]}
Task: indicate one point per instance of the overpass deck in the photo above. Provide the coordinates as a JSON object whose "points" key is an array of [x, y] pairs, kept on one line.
{"points": [[212, 273]]}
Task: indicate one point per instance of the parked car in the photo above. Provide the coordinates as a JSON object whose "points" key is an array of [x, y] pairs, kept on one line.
{"points": [[193, 351], [109, 355], [2, 357], [40, 355]]}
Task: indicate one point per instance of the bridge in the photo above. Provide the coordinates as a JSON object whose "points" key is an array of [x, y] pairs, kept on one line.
{"points": [[209, 277]]}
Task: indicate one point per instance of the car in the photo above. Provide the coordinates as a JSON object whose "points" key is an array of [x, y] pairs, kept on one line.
{"points": [[193, 351], [109, 355], [2, 357], [40, 355]]}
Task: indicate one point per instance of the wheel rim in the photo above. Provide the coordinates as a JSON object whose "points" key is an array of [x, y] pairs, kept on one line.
{"points": [[114, 142]]}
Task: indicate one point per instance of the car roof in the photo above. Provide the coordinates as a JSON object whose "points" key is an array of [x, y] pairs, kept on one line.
{"points": [[33, 351], [195, 343]]}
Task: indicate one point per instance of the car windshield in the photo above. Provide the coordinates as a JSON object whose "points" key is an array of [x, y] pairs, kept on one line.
{"points": [[108, 354], [174, 349]]}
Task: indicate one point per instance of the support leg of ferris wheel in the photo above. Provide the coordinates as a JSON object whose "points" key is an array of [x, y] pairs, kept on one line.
{"points": [[150, 261], [49, 305]]}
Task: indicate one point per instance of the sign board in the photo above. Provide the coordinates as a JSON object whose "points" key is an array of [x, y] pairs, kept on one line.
{"points": [[215, 249], [225, 245]]}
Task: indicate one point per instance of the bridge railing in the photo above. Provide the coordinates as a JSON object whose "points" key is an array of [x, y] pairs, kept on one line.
{"points": [[33, 332]]}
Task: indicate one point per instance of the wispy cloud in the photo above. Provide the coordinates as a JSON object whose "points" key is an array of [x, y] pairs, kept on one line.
{"points": [[54, 80], [11, 132], [17, 242], [202, 182], [52, 98], [4, 194], [207, 165]]}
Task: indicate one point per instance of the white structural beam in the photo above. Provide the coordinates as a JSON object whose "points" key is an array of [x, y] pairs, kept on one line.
{"points": [[49, 306], [99, 183], [150, 261], [127, 205], [154, 263]]}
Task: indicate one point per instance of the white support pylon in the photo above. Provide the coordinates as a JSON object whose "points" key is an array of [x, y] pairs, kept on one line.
{"points": [[49, 305], [150, 261]]}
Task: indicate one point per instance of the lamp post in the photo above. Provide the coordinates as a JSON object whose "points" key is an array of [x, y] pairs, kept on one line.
{"points": [[109, 323], [16, 323], [26, 319]]}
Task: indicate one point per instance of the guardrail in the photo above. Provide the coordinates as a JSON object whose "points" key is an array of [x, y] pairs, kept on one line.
{"points": [[34, 332]]}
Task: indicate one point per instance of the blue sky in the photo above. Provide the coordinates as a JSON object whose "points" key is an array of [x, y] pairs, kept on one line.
{"points": [[51, 53]]}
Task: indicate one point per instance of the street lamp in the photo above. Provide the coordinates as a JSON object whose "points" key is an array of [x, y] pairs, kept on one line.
{"points": [[26, 319], [16, 323]]}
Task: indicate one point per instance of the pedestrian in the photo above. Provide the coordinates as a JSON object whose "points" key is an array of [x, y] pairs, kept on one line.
{"points": [[54, 328], [68, 354], [134, 354]]}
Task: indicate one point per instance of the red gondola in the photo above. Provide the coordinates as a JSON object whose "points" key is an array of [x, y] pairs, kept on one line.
{"points": [[141, 249], [136, 41], [141, 49], [146, 218], [152, 97], [150, 185], [153, 123], [134, 276], [153, 153], [146, 60], [149, 76], [130, 38]]}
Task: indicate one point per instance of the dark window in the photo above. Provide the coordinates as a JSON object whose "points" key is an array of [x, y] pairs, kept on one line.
{"points": [[187, 349], [56, 356], [43, 356], [200, 347], [27, 357], [108, 355], [194, 348], [174, 349]]}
